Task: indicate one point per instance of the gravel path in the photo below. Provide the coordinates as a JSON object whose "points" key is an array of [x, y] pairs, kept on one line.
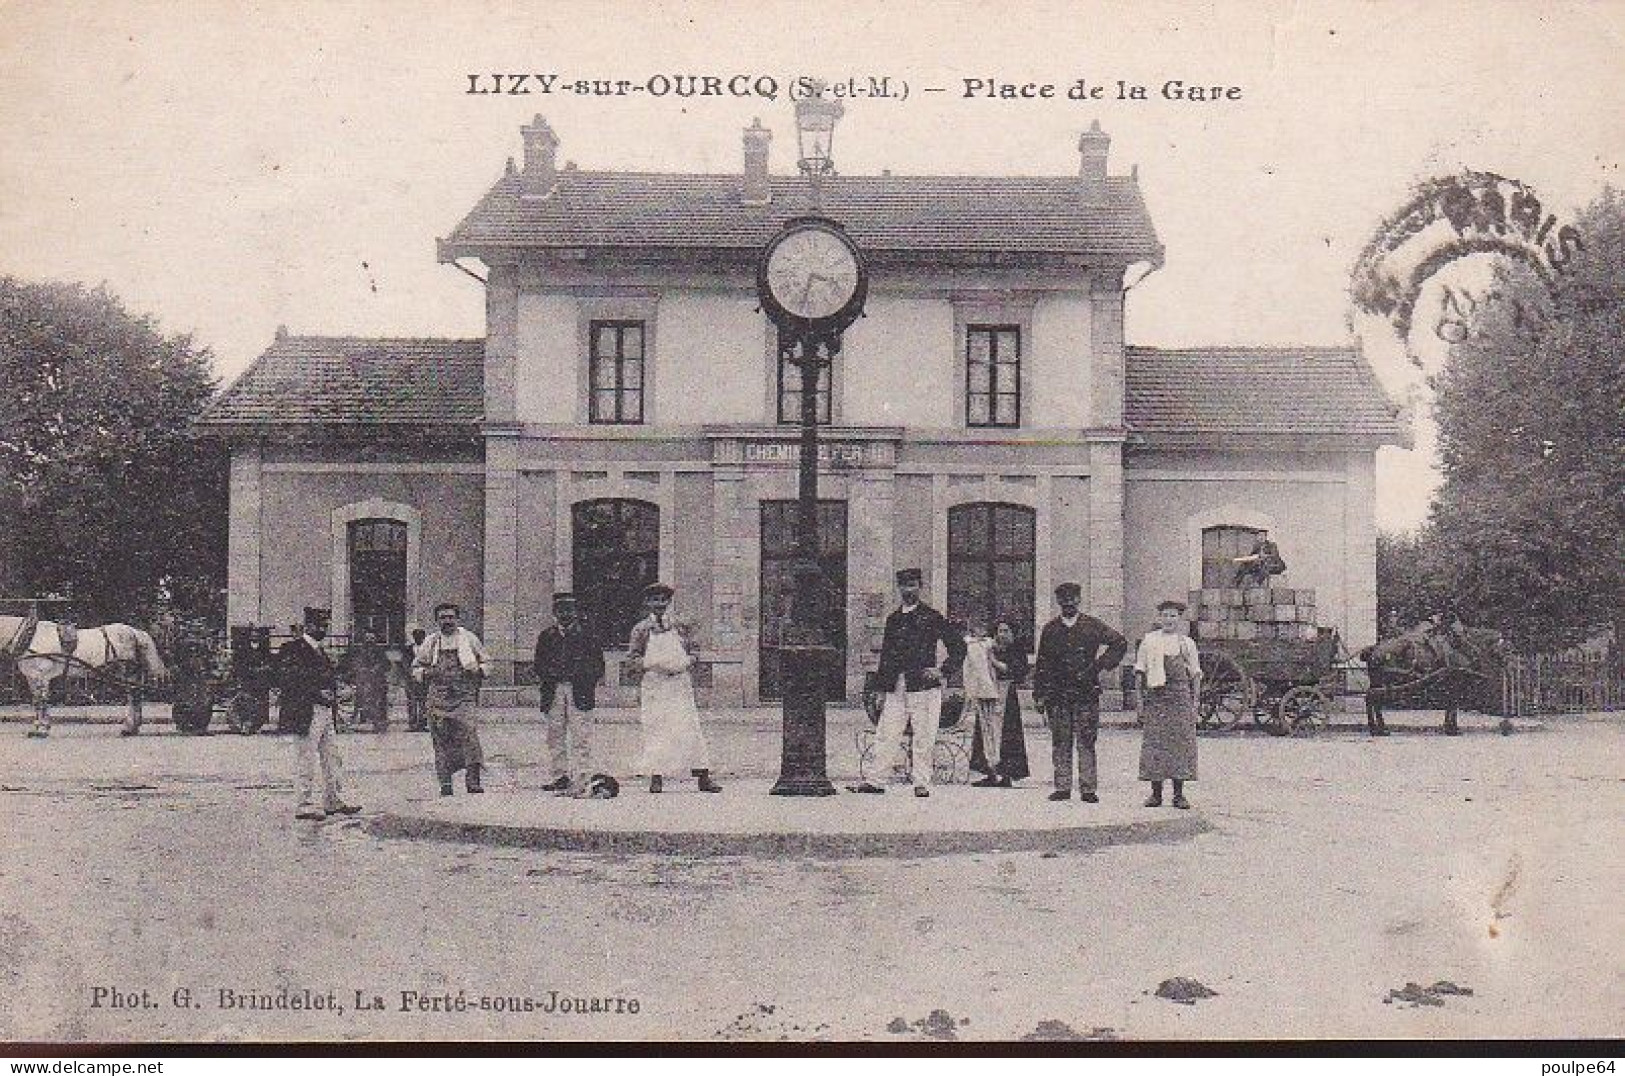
{"points": [[1336, 870]]}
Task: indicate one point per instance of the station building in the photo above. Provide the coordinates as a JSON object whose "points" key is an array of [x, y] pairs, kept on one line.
{"points": [[625, 417]]}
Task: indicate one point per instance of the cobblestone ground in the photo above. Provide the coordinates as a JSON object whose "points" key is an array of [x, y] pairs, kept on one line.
{"points": [[1337, 869]]}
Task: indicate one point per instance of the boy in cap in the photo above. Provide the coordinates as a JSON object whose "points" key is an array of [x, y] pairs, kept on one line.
{"points": [[1170, 671], [1073, 650], [569, 663], [912, 681]]}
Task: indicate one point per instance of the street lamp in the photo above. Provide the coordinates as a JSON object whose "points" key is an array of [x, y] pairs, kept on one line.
{"points": [[812, 284], [816, 117]]}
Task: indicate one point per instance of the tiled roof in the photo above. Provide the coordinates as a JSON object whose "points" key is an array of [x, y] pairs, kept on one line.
{"points": [[346, 380], [350, 381], [882, 213], [1246, 390]]}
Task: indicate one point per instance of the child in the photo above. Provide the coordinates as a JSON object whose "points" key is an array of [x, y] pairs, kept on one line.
{"points": [[982, 695]]}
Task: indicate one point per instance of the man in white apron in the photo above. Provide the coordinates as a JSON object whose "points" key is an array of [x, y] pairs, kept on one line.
{"points": [[452, 662], [663, 649]]}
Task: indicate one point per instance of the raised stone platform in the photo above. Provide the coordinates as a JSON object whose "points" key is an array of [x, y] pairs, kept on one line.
{"points": [[745, 820]]}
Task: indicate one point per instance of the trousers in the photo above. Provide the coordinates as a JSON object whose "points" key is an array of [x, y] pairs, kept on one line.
{"points": [[904, 710], [569, 737], [321, 771], [1074, 723]]}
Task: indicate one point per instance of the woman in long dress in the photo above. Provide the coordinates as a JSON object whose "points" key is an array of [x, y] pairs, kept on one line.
{"points": [[1170, 675], [672, 739]]}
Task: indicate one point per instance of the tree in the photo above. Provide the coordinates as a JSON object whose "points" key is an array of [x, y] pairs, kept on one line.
{"points": [[1530, 518], [1410, 579], [106, 498]]}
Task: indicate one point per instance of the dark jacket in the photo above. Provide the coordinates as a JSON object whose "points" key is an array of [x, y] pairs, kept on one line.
{"points": [[573, 657], [909, 647], [305, 675], [1071, 659]]}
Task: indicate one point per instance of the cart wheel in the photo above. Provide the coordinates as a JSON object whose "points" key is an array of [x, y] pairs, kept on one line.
{"points": [[1227, 692], [248, 712], [1304, 710]]}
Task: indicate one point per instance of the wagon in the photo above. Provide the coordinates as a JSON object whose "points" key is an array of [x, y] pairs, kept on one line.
{"points": [[242, 679], [1286, 686]]}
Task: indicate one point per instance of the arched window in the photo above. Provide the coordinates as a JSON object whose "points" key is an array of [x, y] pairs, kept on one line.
{"points": [[615, 553], [378, 578], [992, 562], [1220, 547]]}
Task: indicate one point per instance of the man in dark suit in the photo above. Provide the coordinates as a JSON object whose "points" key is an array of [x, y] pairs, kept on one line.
{"points": [[569, 665], [1073, 650], [912, 680], [306, 676]]}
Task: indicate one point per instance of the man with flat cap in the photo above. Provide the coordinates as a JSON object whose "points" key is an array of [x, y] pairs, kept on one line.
{"points": [[912, 680], [1073, 650], [306, 679], [569, 665]]}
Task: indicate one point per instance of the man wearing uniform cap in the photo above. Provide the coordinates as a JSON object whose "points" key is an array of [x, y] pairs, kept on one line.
{"points": [[569, 663], [1073, 650], [306, 678], [912, 680]]}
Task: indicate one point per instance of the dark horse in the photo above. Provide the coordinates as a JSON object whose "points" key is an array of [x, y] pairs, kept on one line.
{"points": [[1454, 667]]}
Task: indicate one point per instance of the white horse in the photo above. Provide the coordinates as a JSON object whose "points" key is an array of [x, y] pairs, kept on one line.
{"points": [[108, 647]]}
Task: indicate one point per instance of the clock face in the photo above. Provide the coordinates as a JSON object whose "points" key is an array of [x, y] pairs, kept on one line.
{"points": [[812, 273]]}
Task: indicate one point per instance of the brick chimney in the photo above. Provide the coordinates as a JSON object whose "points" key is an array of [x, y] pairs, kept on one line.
{"points": [[1094, 145], [757, 141], [540, 174]]}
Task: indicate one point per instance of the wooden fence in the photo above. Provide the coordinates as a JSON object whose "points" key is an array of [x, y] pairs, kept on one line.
{"points": [[1569, 683]]}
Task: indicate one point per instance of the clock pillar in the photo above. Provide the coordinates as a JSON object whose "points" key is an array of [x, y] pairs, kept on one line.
{"points": [[807, 654], [811, 292]]}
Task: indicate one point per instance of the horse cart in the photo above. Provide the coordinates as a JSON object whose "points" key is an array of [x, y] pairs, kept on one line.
{"points": [[1285, 686], [242, 675]]}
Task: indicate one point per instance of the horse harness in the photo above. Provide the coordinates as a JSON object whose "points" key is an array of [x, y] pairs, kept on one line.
{"points": [[68, 638], [17, 646], [1447, 650]]}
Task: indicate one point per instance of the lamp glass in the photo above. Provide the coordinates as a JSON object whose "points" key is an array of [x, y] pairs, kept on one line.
{"points": [[815, 132]]}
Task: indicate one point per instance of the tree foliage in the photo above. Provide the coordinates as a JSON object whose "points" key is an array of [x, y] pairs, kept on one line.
{"points": [[106, 498], [1529, 525], [1411, 581]]}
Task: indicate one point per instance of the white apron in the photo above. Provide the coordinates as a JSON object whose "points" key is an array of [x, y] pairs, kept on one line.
{"points": [[672, 740]]}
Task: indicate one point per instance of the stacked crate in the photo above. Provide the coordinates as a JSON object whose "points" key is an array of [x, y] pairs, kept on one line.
{"points": [[1253, 613]]}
